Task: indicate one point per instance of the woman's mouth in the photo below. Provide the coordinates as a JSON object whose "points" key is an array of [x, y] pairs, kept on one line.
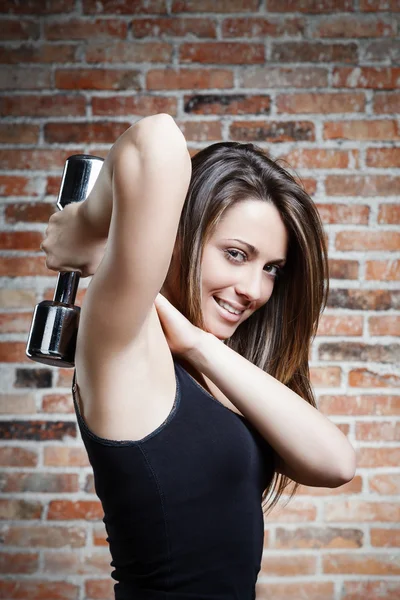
{"points": [[233, 318]]}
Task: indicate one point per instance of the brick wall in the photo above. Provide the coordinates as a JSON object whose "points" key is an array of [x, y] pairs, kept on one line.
{"points": [[316, 83]]}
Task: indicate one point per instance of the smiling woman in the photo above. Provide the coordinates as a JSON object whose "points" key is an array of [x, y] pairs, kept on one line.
{"points": [[199, 393]]}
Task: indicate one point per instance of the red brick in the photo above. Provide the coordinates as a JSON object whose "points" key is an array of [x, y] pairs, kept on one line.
{"points": [[366, 77], [371, 590], [44, 536], [318, 537], [351, 240], [44, 53], [280, 77], [12, 404], [13, 456], [375, 5], [361, 511], [287, 591], [250, 27], [64, 456], [382, 50], [170, 26], [201, 130], [296, 511], [69, 509], [382, 270], [97, 79], [324, 103], [23, 29], [124, 7], [386, 325], [309, 6], [222, 53], [359, 299], [49, 483], [362, 130], [386, 484], [38, 589], [361, 185], [385, 538], [343, 325], [85, 29], [325, 376], [372, 458], [386, 102], [227, 104], [314, 52], [57, 403], [358, 351], [120, 52], [220, 6], [272, 131], [19, 562], [389, 213], [18, 185], [54, 105], [19, 133], [343, 269], [20, 240], [143, 105], [366, 378], [25, 78], [383, 157], [20, 509], [70, 563], [67, 133], [354, 26], [29, 212], [282, 565], [357, 214], [192, 79], [11, 351], [99, 589], [364, 564], [36, 7], [29, 159], [371, 405], [321, 158], [385, 431]]}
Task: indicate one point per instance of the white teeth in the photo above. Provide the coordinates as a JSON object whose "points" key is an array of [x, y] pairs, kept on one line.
{"points": [[228, 307]]}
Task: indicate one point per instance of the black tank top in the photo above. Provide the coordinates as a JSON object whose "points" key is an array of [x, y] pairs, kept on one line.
{"points": [[182, 506]]}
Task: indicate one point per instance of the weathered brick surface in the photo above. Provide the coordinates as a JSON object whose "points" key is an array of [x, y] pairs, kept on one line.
{"points": [[317, 85]]}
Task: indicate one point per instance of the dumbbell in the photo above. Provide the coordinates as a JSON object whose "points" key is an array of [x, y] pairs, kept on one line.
{"points": [[54, 327]]}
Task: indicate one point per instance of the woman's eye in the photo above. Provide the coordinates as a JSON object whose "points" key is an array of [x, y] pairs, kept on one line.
{"points": [[238, 252]]}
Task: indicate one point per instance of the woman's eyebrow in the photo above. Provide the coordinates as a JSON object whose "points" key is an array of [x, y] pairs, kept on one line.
{"points": [[253, 250]]}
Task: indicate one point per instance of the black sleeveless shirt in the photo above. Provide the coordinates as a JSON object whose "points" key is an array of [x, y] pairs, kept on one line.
{"points": [[182, 506]]}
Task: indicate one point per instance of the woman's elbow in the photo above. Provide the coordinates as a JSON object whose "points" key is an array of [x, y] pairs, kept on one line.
{"points": [[347, 470]]}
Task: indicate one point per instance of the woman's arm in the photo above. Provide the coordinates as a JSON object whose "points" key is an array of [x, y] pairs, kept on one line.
{"points": [[96, 210], [311, 449]]}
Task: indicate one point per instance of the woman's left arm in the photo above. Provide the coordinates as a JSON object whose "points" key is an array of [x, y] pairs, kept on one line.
{"points": [[311, 449]]}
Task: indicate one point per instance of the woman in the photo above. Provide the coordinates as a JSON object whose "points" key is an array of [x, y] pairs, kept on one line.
{"points": [[195, 403]]}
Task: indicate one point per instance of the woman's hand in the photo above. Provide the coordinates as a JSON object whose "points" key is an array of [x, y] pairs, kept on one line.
{"points": [[182, 336], [70, 245]]}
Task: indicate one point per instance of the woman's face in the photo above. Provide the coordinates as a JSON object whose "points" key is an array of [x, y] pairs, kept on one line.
{"points": [[231, 272]]}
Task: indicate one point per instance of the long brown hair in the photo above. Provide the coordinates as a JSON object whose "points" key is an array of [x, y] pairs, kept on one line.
{"points": [[277, 337]]}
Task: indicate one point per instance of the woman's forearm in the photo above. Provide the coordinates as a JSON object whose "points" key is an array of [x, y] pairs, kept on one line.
{"points": [[315, 450], [96, 210]]}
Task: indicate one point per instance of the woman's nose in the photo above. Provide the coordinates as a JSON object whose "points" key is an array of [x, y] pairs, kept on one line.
{"points": [[252, 286]]}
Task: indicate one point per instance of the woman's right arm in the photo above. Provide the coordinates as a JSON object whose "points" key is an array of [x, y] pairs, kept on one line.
{"points": [[144, 186]]}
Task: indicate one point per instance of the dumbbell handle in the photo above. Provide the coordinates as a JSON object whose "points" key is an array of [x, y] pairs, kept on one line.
{"points": [[52, 337]]}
